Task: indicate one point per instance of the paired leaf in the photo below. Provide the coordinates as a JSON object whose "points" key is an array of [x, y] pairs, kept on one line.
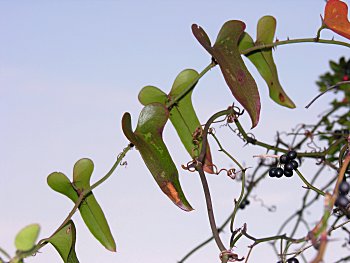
{"points": [[26, 238], [148, 138], [90, 210], [263, 59], [336, 17], [182, 114], [64, 243], [226, 53]]}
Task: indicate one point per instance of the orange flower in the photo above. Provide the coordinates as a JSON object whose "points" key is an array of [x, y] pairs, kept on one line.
{"points": [[336, 17]]}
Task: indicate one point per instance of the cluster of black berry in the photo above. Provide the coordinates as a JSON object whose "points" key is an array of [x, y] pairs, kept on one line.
{"points": [[340, 133], [289, 164], [244, 204], [290, 260], [342, 200]]}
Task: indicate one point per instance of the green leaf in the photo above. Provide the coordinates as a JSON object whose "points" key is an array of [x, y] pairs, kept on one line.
{"points": [[90, 210], [150, 94], [64, 243], [184, 117], [182, 114], [26, 238], [265, 35], [148, 138], [61, 184], [226, 53]]}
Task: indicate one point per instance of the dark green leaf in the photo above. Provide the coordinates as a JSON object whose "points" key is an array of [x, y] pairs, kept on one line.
{"points": [[64, 243], [149, 141], [26, 238], [226, 53], [263, 59]]}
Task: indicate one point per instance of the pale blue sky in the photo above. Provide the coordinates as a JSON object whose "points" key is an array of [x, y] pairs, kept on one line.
{"points": [[68, 71]]}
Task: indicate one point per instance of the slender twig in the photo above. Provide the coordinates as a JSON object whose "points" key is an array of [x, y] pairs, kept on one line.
{"points": [[328, 89], [310, 186], [320, 228], [2, 251], [239, 201], [254, 141]]}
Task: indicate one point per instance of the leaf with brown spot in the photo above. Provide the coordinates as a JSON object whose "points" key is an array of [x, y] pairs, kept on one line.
{"points": [[148, 139], [64, 242], [263, 59], [226, 53]]}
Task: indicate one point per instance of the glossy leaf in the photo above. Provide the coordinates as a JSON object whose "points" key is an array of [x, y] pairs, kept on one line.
{"points": [[148, 138], [263, 59], [90, 210], [226, 53], [64, 243], [182, 114], [26, 238], [336, 17]]}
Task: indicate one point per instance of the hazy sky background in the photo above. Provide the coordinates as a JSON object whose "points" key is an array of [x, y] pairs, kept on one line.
{"points": [[70, 69]]}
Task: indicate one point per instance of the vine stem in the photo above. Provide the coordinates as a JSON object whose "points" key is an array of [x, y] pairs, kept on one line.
{"points": [[228, 219], [295, 41], [210, 210], [200, 161], [81, 198], [243, 182]]}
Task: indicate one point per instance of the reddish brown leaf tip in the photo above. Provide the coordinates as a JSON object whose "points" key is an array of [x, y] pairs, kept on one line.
{"points": [[173, 194]]}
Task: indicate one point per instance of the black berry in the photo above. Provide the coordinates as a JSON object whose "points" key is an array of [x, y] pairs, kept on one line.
{"points": [[279, 172], [344, 188], [292, 155], [289, 166], [284, 159], [342, 201], [272, 172], [244, 204], [288, 173], [337, 134], [295, 164], [292, 260]]}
